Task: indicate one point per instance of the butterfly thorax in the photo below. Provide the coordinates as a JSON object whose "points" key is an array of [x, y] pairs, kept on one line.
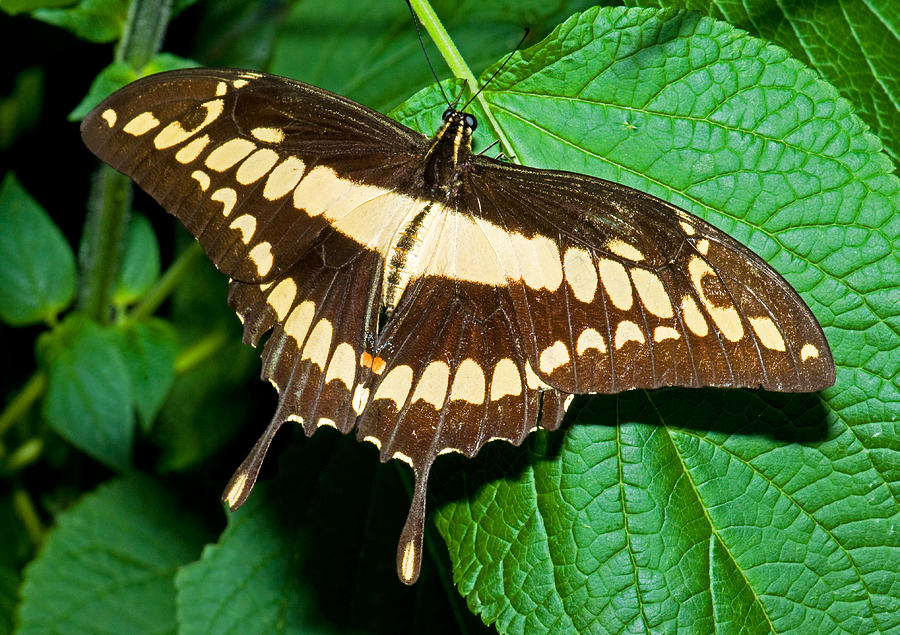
{"points": [[443, 167]]}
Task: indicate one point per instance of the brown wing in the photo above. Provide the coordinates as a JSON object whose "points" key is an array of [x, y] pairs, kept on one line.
{"points": [[249, 162], [614, 289]]}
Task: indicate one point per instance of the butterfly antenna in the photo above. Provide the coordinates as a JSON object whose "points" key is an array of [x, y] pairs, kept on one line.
{"points": [[499, 68], [427, 59]]}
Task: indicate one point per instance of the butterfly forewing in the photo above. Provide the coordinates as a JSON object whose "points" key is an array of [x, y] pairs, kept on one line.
{"points": [[431, 298]]}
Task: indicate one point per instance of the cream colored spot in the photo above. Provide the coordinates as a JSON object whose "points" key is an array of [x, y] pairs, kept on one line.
{"points": [[662, 333], [588, 339], [568, 402], [652, 292], [247, 226], [326, 422], [141, 124], [202, 178], [767, 333], [432, 385], [532, 380], [580, 273], [234, 494], [687, 227], [360, 399], [229, 153], [539, 261], [408, 563], [221, 89], [553, 357], [623, 249], [283, 178], [373, 440], [299, 320], [628, 331], [261, 255], [319, 344], [239, 83], [256, 166], [505, 380], [318, 190], [703, 246], [727, 318], [692, 316], [268, 135], [173, 134], [226, 196], [109, 116], [282, 297], [404, 457], [395, 386], [192, 150], [615, 281], [449, 450], [808, 351], [468, 384], [342, 365]]}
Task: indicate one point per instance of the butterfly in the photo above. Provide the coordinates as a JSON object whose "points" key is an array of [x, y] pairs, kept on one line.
{"points": [[430, 298]]}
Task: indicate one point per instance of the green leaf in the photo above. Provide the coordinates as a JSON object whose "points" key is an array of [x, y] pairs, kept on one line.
{"points": [[368, 52], [13, 7], [709, 508], [139, 269], [37, 279], [119, 74], [109, 565], [89, 395], [311, 552], [21, 110], [856, 49], [9, 591], [97, 21], [148, 349]]}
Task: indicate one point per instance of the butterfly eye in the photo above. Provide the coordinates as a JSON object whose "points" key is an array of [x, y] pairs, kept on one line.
{"points": [[447, 114], [471, 122]]}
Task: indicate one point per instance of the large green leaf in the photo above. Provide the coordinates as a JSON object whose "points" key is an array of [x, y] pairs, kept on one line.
{"points": [[37, 275], [148, 349], [109, 565], [855, 46], [703, 509]]}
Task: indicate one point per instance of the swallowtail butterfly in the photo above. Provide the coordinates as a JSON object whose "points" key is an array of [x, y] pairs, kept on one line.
{"points": [[434, 299]]}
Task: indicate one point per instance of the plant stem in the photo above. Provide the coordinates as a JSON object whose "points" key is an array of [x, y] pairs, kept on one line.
{"points": [[457, 64], [110, 200], [199, 351], [167, 283], [24, 507], [144, 29], [29, 393]]}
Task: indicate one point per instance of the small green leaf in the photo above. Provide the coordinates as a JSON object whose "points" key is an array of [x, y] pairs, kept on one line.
{"points": [[148, 349], [119, 74], [89, 395], [13, 7], [97, 21], [139, 268], [37, 279], [21, 110], [109, 565]]}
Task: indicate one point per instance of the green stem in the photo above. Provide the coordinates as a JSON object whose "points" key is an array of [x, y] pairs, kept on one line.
{"points": [[27, 513], [29, 393], [144, 29], [101, 246], [167, 283], [457, 64], [194, 354]]}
